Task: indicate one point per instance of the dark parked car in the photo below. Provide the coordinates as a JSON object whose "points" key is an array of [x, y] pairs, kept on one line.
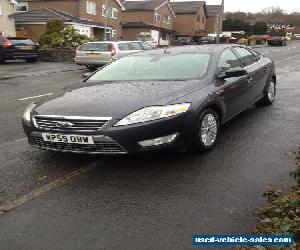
{"points": [[183, 40], [173, 98], [207, 40], [18, 48], [277, 40]]}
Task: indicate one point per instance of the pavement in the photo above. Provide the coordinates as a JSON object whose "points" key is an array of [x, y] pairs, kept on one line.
{"points": [[18, 68], [155, 201]]}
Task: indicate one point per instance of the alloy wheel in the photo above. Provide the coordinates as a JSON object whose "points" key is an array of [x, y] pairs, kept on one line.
{"points": [[208, 130], [271, 91]]}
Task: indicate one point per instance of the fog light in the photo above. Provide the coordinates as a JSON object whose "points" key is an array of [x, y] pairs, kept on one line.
{"points": [[159, 141]]}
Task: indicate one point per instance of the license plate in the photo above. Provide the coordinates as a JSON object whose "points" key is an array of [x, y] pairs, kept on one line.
{"points": [[76, 139], [93, 54], [25, 47]]}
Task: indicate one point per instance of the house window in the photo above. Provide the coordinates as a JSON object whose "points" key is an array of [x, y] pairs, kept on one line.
{"points": [[167, 19], [157, 16], [21, 7], [108, 35], [90, 7], [114, 13], [109, 12], [217, 20], [104, 10], [113, 34]]}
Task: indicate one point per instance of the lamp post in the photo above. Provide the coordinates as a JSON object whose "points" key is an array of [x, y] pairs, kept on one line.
{"points": [[220, 22]]}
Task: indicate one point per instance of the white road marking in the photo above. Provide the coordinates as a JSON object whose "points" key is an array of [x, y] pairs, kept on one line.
{"points": [[32, 97]]}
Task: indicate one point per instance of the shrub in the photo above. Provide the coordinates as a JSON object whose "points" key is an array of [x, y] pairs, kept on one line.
{"points": [[59, 35], [281, 215]]}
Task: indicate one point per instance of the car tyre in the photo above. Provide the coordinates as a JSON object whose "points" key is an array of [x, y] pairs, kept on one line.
{"points": [[207, 131], [269, 94]]}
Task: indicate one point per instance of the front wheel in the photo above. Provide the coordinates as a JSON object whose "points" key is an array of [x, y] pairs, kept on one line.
{"points": [[270, 93], [207, 131]]}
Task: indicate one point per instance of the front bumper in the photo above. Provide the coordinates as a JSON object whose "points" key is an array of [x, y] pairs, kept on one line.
{"points": [[123, 139]]}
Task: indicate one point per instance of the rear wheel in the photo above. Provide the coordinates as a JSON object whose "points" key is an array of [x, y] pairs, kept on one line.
{"points": [[31, 60], [270, 93], [207, 131]]}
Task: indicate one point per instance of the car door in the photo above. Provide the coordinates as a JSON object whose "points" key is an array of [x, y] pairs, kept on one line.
{"points": [[257, 74], [232, 90]]}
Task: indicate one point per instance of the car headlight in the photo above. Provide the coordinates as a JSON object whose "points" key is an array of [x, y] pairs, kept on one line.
{"points": [[153, 113], [27, 112]]}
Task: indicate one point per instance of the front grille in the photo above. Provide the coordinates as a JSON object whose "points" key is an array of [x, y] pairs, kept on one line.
{"points": [[108, 147], [72, 124]]}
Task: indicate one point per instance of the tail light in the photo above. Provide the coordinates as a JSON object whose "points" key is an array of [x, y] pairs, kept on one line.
{"points": [[6, 43], [113, 50]]}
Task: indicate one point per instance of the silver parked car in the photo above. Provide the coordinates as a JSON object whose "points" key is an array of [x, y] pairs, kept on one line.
{"points": [[93, 54]]}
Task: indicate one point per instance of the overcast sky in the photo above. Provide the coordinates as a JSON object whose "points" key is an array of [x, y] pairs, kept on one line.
{"points": [[256, 5]]}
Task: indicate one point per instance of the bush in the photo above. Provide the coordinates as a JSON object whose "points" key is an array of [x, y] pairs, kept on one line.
{"points": [[281, 215], [59, 35]]}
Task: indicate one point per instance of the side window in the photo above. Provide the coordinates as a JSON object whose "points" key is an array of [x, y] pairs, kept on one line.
{"points": [[123, 46], [228, 60], [246, 56], [146, 46], [135, 46]]}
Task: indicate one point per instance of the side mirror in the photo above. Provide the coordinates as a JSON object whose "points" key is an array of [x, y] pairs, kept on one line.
{"points": [[235, 72]]}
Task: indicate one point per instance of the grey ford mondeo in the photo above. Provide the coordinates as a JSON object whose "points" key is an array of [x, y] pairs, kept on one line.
{"points": [[175, 98]]}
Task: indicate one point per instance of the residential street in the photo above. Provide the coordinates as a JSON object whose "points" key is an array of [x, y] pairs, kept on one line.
{"points": [[155, 201]]}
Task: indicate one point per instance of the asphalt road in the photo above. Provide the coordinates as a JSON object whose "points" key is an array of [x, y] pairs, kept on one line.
{"points": [[155, 201]]}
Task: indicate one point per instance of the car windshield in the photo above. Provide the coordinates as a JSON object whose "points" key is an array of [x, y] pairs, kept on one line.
{"points": [[155, 67]]}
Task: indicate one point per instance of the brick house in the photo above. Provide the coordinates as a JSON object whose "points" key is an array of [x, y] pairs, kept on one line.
{"points": [[94, 11], [148, 20], [214, 13], [190, 18], [7, 24], [32, 24]]}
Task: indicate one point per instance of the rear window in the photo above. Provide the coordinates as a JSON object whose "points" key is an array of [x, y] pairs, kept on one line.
{"points": [[96, 47], [19, 41]]}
